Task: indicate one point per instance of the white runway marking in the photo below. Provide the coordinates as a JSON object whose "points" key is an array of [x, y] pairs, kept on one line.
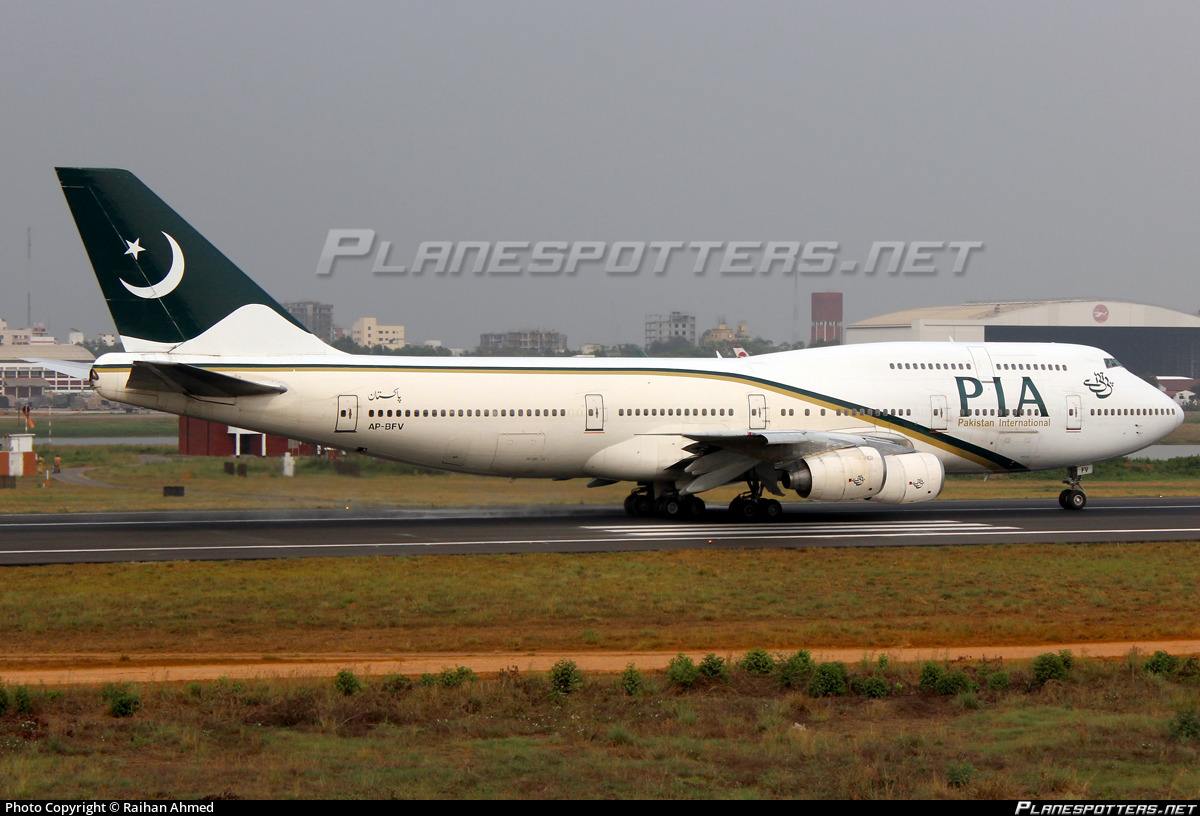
{"points": [[796, 530]]}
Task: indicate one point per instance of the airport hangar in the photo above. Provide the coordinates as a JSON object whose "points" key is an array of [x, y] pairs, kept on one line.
{"points": [[1150, 341]]}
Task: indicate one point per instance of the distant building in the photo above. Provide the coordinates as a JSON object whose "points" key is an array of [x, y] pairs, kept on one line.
{"points": [[527, 340], [29, 336], [675, 326], [316, 317], [1146, 339], [22, 380], [723, 334], [826, 318], [367, 331], [199, 437]]}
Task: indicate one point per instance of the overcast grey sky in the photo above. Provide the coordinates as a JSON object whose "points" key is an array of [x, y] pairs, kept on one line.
{"points": [[1062, 135]]}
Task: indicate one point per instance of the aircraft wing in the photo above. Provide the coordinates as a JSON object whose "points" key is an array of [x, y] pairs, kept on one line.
{"points": [[181, 378], [723, 456]]}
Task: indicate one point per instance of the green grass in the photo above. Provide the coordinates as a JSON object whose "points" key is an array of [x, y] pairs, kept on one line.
{"points": [[674, 600], [1101, 734], [61, 424]]}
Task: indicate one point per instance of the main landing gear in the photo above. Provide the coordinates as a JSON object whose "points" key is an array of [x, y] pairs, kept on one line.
{"points": [[751, 506], [643, 502], [662, 500], [1073, 498]]}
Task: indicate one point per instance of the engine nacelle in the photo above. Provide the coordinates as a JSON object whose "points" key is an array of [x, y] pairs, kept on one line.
{"points": [[864, 473], [836, 475], [911, 477]]}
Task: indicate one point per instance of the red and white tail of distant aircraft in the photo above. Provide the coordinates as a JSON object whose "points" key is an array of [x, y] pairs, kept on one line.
{"points": [[882, 422]]}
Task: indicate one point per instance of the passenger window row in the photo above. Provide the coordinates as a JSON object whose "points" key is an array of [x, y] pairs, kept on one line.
{"points": [[470, 412]]}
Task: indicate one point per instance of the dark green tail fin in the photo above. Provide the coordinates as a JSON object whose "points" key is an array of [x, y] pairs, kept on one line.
{"points": [[165, 284]]}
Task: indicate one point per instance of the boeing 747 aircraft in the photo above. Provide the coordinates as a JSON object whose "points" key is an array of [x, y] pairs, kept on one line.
{"points": [[879, 422]]}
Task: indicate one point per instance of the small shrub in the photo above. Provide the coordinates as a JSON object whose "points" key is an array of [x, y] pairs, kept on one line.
{"points": [[931, 673], [999, 681], [565, 677], [830, 680], [1185, 725], [714, 668], [1162, 663], [121, 701], [757, 661], [453, 678], [795, 671], [22, 700], [958, 774], [396, 684], [125, 705], [682, 671], [874, 687], [3, 699], [1048, 666], [954, 682], [346, 682], [1068, 658], [631, 681]]}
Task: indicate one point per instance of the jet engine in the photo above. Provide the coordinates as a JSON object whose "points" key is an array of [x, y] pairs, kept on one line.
{"points": [[847, 474]]}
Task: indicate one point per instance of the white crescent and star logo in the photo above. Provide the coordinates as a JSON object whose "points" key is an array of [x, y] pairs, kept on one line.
{"points": [[172, 279]]}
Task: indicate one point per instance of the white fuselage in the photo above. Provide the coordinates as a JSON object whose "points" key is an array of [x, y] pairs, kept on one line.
{"points": [[977, 407]]}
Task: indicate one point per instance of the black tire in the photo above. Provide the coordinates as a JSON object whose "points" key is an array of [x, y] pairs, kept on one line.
{"points": [[670, 507], [744, 509], [1077, 500], [770, 509]]}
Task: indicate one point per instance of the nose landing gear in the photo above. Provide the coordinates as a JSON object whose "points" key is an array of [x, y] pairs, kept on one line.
{"points": [[1073, 498]]}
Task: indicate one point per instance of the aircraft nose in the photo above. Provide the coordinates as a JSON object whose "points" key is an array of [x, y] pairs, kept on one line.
{"points": [[1173, 409]]}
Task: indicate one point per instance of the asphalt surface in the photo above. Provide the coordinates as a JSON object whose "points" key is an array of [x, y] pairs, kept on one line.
{"points": [[97, 537]]}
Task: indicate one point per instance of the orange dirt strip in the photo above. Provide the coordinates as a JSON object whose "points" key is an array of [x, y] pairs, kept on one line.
{"points": [[94, 669]]}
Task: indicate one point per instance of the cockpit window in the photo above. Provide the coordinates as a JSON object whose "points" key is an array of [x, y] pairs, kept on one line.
{"points": [[1112, 362]]}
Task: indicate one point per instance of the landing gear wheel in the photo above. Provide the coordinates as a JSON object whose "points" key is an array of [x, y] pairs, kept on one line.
{"points": [[770, 509], [743, 509], [629, 504], [693, 507], [642, 505], [1073, 498], [671, 507]]}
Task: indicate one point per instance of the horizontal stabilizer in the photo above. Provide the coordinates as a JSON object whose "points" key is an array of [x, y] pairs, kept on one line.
{"points": [[181, 378], [71, 368]]}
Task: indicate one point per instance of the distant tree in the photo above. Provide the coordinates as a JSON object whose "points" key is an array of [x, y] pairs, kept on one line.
{"points": [[97, 348]]}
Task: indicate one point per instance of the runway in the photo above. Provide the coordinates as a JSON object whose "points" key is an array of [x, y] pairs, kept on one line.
{"points": [[82, 538]]}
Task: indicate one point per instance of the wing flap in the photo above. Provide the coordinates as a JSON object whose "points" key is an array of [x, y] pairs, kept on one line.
{"points": [[774, 446]]}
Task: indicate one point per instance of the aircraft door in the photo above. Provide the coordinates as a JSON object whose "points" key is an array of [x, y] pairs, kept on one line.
{"points": [[758, 412], [1074, 413], [347, 416], [938, 408], [594, 413]]}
